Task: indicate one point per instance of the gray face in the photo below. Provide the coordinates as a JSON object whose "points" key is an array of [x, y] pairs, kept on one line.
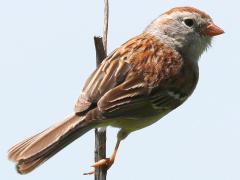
{"points": [[188, 32], [183, 31]]}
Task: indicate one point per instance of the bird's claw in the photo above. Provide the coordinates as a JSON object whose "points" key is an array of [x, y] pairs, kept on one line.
{"points": [[106, 163]]}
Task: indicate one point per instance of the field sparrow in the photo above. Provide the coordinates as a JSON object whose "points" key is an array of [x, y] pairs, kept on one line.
{"points": [[136, 85]]}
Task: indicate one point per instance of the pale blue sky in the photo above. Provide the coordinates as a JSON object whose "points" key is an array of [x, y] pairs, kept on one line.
{"points": [[46, 53]]}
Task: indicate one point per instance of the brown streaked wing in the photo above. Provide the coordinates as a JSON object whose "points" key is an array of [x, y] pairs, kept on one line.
{"points": [[132, 90], [151, 64], [129, 74], [111, 72]]}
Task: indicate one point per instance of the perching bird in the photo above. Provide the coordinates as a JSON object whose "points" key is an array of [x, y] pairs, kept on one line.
{"points": [[136, 85]]}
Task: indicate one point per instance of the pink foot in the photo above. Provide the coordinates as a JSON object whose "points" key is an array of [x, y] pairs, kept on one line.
{"points": [[107, 162]]}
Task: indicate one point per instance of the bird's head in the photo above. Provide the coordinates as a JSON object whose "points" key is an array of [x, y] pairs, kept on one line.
{"points": [[186, 29]]}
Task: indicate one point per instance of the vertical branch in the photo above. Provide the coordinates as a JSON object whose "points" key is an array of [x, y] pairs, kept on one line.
{"points": [[100, 136], [105, 27], [100, 52]]}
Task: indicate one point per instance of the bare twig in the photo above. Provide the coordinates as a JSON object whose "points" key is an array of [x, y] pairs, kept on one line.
{"points": [[100, 52], [100, 153], [105, 27], [100, 136]]}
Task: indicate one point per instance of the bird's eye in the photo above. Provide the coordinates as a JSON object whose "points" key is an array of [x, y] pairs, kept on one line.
{"points": [[189, 22]]}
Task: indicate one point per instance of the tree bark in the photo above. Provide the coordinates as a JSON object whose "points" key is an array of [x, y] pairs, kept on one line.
{"points": [[100, 136]]}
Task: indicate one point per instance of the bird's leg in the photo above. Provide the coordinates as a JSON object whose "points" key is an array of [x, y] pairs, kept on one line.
{"points": [[107, 162]]}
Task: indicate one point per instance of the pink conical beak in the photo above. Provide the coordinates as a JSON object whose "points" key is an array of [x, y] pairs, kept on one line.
{"points": [[213, 30]]}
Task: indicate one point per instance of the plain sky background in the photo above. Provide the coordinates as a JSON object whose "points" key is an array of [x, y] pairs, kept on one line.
{"points": [[46, 53]]}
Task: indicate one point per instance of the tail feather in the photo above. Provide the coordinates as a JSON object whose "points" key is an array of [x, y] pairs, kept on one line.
{"points": [[35, 150], [14, 152], [24, 168]]}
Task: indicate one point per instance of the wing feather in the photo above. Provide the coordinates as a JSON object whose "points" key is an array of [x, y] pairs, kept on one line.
{"points": [[129, 74]]}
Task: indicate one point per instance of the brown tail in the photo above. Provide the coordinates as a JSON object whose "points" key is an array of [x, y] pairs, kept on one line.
{"points": [[35, 150]]}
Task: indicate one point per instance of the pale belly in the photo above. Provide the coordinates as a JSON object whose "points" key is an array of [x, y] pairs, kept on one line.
{"points": [[133, 124], [137, 116]]}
